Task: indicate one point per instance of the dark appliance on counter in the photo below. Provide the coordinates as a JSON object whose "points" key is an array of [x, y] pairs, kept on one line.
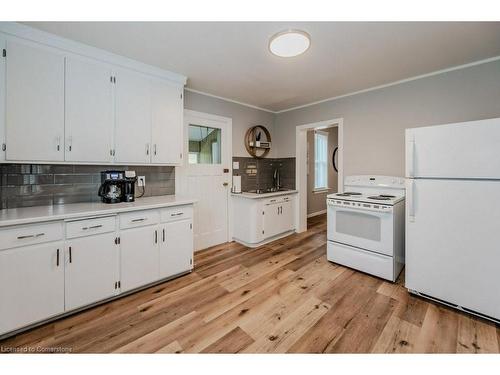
{"points": [[129, 186], [112, 186]]}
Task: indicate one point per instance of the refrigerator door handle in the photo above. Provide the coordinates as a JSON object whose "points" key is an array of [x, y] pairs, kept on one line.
{"points": [[410, 192], [411, 157]]}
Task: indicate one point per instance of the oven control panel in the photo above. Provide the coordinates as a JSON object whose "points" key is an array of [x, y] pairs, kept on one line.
{"points": [[359, 205]]}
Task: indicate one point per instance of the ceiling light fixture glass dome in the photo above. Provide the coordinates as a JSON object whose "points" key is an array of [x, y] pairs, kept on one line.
{"points": [[289, 43]]}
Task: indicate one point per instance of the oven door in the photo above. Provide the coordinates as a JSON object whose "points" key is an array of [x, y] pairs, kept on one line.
{"points": [[366, 228]]}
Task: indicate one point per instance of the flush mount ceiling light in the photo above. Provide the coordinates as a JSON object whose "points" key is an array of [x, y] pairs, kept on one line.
{"points": [[289, 43]]}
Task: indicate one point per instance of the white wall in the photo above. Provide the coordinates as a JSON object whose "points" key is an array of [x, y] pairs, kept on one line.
{"points": [[374, 122], [243, 118]]}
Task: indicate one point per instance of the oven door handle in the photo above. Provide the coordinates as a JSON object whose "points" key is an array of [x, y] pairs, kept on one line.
{"points": [[361, 209]]}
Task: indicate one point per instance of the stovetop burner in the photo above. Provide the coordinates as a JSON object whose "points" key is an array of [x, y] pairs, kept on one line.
{"points": [[380, 197], [347, 194]]}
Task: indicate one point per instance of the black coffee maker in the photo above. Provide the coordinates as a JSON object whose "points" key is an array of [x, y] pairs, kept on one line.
{"points": [[112, 186]]}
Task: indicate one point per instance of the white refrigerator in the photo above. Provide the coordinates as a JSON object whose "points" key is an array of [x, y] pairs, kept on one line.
{"points": [[453, 215]]}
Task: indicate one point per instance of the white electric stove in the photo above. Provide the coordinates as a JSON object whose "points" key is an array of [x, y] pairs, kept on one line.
{"points": [[366, 225]]}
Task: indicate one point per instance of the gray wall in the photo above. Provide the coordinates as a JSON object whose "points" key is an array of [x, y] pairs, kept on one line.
{"points": [[243, 118], [374, 122], [316, 201]]}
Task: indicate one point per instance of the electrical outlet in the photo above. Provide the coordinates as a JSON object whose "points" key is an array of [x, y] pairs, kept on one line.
{"points": [[141, 181]]}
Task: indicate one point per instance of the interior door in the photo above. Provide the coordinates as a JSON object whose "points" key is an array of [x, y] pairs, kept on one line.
{"points": [[167, 134], [91, 269], [31, 285], [452, 242], [206, 174], [176, 249], [34, 102], [89, 111], [464, 150], [133, 118], [139, 257]]}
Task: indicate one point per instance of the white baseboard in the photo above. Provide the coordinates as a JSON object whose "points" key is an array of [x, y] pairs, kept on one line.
{"points": [[316, 213]]}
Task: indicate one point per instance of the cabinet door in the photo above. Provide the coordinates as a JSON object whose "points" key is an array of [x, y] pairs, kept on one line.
{"points": [[272, 217], [139, 257], [89, 111], [133, 118], [2, 100], [91, 269], [31, 285], [34, 103], [287, 216], [176, 248], [167, 134]]}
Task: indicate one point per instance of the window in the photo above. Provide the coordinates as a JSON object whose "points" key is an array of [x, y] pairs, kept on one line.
{"points": [[204, 145], [320, 160]]}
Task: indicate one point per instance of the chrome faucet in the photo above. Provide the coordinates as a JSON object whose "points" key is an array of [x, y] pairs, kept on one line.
{"points": [[276, 179]]}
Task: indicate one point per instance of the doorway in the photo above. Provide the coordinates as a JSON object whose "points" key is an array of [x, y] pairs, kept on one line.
{"points": [[303, 167], [205, 175], [322, 169]]}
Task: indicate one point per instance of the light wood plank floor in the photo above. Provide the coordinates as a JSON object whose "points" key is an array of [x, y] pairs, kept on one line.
{"points": [[284, 297]]}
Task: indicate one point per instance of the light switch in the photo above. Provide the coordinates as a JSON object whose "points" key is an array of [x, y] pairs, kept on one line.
{"points": [[236, 165]]}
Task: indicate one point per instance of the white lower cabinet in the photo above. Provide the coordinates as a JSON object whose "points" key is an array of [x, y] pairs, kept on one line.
{"points": [[47, 269], [271, 225], [176, 248], [139, 257], [31, 285], [91, 269], [258, 220]]}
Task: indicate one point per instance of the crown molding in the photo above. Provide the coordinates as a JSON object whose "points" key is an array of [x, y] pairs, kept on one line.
{"points": [[228, 100], [374, 88]]}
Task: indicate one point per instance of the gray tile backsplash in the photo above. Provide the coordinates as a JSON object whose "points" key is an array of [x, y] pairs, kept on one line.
{"points": [[258, 173], [25, 185]]}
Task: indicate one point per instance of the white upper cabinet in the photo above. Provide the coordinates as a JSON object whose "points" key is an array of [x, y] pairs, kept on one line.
{"points": [[167, 135], [133, 118], [63, 102], [34, 102], [2, 99], [89, 111]]}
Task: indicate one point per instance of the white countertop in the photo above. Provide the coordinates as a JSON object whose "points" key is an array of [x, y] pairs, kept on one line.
{"points": [[27, 215], [265, 195]]}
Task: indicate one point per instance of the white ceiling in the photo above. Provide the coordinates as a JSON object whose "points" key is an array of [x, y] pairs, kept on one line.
{"points": [[232, 59]]}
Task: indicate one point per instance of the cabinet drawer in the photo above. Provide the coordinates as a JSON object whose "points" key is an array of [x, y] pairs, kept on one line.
{"points": [[89, 227], [139, 219], [278, 199], [176, 213], [366, 261], [24, 235]]}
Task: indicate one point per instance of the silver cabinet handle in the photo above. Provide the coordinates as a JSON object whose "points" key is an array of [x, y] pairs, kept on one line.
{"points": [[147, 148], [163, 234], [70, 255], [30, 236], [177, 214], [57, 259], [139, 220], [154, 148], [92, 227], [156, 236]]}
